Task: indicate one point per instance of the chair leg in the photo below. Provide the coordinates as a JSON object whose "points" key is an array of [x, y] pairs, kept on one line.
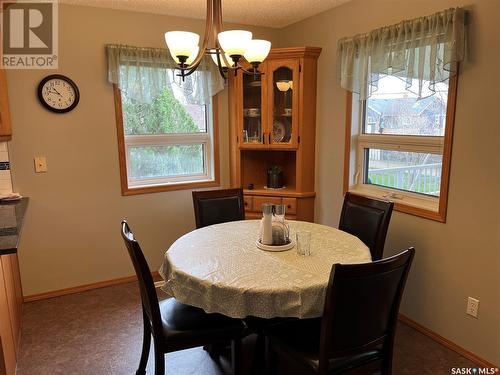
{"points": [[268, 357], [387, 361], [159, 361], [258, 361], [386, 368], [236, 356], [146, 344]]}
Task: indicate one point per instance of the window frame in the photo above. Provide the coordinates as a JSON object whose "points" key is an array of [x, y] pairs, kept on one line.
{"points": [[178, 183], [356, 141]]}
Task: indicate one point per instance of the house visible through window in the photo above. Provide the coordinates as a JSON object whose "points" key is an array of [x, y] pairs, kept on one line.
{"points": [[400, 155], [405, 117]]}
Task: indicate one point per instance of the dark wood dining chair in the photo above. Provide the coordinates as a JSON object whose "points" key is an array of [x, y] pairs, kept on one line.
{"points": [[218, 206], [356, 333], [174, 325], [368, 219]]}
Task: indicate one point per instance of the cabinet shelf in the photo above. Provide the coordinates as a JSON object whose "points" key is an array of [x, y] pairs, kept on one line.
{"points": [[286, 192]]}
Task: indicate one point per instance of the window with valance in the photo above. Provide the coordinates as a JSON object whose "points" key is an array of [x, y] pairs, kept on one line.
{"points": [[402, 85], [167, 132]]}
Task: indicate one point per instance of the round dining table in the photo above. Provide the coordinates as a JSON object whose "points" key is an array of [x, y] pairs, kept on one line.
{"points": [[220, 269]]}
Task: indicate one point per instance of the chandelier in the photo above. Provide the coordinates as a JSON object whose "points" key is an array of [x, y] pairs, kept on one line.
{"points": [[229, 46]]}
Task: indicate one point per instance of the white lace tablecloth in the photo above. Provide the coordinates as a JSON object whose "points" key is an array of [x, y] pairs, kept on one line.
{"points": [[220, 269]]}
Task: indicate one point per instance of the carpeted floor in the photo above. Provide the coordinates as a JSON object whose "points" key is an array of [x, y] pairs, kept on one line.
{"points": [[99, 332]]}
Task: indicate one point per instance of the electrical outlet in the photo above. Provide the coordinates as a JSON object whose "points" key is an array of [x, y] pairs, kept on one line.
{"points": [[472, 307], [40, 164]]}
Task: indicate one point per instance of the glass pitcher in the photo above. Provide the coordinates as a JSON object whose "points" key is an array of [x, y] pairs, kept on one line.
{"points": [[281, 229]]}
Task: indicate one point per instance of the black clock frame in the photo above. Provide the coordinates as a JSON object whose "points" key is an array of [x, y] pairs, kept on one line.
{"points": [[64, 78]]}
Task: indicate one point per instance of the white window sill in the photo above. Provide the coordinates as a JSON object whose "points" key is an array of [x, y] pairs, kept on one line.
{"points": [[160, 182], [416, 204], [181, 185]]}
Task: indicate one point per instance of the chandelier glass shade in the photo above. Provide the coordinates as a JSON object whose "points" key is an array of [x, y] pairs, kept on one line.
{"points": [[257, 50], [229, 46], [234, 42], [181, 43]]}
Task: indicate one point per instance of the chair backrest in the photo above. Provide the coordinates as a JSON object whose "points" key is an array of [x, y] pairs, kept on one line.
{"points": [[146, 285], [218, 206], [361, 306], [368, 219]]}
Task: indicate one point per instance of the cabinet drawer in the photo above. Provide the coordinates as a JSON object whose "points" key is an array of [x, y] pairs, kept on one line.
{"points": [[259, 201], [290, 205], [248, 202]]}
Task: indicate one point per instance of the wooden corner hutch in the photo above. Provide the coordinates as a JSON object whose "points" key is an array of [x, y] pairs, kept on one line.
{"points": [[273, 122]]}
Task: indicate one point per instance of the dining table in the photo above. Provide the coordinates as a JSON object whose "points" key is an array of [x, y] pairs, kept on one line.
{"points": [[220, 269]]}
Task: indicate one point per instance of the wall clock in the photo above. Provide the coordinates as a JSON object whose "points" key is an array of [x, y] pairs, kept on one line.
{"points": [[58, 93]]}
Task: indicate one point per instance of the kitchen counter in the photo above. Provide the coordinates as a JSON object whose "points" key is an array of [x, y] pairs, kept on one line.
{"points": [[11, 222]]}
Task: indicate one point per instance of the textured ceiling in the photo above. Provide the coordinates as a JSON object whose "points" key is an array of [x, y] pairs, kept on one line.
{"points": [[270, 13]]}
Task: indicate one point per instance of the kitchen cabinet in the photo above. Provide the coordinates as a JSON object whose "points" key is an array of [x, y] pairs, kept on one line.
{"points": [[5, 125], [10, 312], [11, 293]]}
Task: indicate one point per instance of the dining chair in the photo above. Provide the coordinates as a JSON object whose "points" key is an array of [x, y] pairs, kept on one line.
{"points": [[356, 332], [218, 206], [368, 219], [174, 325]]}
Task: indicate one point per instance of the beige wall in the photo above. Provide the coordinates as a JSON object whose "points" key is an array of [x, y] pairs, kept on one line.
{"points": [[462, 257], [71, 236]]}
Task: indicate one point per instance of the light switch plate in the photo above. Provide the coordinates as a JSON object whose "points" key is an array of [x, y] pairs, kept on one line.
{"points": [[40, 164]]}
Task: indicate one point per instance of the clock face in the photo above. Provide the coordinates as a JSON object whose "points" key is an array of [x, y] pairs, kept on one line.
{"points": [[58, 93]]}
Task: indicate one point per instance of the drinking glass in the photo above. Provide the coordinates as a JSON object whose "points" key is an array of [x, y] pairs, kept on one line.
{"points": [[303, 243]]}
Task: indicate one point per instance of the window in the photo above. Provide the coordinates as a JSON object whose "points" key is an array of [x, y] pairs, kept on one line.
{"points": [[406, 157], [407, 74], [166, 144]]}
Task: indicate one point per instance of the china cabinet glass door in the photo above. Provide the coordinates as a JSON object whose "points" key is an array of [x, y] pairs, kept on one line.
{"points": [[283, 87], [253, 116]]}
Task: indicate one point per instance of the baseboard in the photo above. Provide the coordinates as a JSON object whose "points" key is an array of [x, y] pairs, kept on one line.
{"points": [[83, 288], [445, 342]]}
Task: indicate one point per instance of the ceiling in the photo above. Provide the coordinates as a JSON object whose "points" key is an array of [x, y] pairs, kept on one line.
{"points": [[270, 13]]}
